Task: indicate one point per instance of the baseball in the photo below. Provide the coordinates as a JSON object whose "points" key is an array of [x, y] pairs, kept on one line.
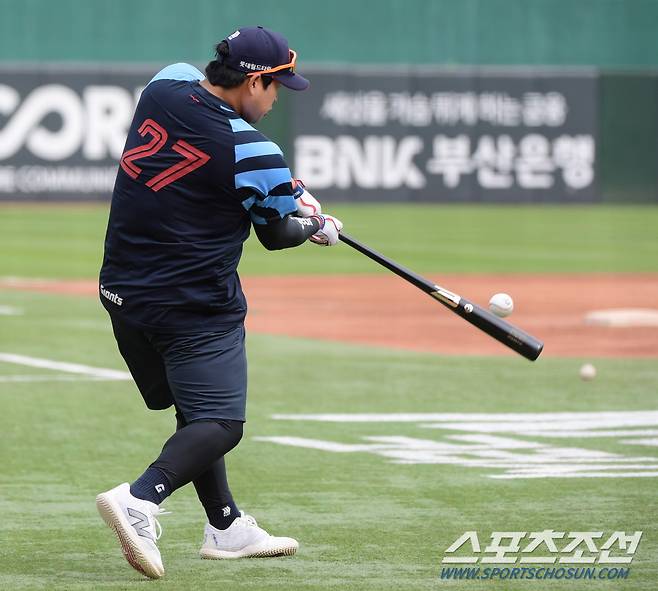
{"points": [[587, 372], [501, 304]]}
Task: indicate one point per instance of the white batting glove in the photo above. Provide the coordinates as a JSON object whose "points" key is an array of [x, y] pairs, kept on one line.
{"points": [[307, 205], [330, 227]]}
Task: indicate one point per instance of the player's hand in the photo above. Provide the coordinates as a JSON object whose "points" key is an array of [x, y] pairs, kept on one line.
{"points": [[307, 205], [330, 227]]}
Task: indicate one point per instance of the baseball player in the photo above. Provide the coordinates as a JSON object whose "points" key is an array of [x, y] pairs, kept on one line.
{"points": [[194, 177]]}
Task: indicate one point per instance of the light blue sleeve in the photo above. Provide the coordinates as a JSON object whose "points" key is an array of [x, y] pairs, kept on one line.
{"points": [[262, 176], [178, 72]]}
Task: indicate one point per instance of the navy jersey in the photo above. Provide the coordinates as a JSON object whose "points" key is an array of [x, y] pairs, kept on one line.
{"points": [[193, 177]]}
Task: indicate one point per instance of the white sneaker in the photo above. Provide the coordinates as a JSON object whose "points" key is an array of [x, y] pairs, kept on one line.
{"points": [[134, 522], [244, 539]]}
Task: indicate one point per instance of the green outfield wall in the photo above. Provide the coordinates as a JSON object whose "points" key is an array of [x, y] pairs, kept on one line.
{"points": [[614, 41], [628, 146], [605, 33]]}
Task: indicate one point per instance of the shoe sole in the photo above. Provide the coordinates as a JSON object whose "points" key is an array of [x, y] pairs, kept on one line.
{"points": [[254, 551], [113, 517]]}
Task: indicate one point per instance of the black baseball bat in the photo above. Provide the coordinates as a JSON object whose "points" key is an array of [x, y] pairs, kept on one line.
{"points": [[501, 330]]}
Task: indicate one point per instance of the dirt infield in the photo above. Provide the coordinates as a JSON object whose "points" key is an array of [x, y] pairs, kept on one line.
{"points": [[386, 311]]}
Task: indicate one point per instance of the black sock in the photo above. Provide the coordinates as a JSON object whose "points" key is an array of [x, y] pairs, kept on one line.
{"points": [[152, 486], [222, 517]]}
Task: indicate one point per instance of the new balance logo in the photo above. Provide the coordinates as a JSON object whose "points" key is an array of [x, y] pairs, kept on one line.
{"points": [[160, 488], [141, 524], [226, 511]]}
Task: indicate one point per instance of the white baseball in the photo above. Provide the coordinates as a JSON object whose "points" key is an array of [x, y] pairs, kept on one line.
{"points": [[501, 304], [587, 372]]}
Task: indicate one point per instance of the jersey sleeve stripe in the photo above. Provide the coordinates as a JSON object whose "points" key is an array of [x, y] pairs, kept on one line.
{"points": [[260, 163], [243, 151], [179, 71], [283, 204], [257, 219], [263, 181], [240, 125], [288, 189], [273, 208], [248, 137], [247, 203]]}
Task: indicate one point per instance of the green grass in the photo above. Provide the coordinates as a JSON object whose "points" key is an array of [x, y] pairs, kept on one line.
{"points": [[66, 241], [364, 523]]}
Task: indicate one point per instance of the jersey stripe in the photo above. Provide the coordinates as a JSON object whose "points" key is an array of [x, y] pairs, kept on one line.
{"points": [[257, 219], [260, 170], [240, 125], [243, 151], [247, 203], [288, 189], [260, 163], [262, 181], [248, 137], [283, 204]]}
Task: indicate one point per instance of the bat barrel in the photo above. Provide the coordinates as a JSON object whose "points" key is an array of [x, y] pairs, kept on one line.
{"points": [[508, 334], [504, 332]]}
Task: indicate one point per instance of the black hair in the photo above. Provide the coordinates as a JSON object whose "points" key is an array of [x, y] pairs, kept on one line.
{"points": [[219, 74]]}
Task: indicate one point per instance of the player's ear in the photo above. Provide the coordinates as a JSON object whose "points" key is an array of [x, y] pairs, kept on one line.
{"points": [[252, 83]]}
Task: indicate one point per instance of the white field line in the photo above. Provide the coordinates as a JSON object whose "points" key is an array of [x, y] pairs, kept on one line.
{"points": [[651, 441], [13, 281], [10, 311], [593, 434], [608, 422], [587, 419], [513, 476], [48, 378], [321, 445], [73, 368], [484, 446]]}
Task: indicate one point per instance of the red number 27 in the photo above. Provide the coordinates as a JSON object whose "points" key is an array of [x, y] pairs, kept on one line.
{"points": [[193, 158]]}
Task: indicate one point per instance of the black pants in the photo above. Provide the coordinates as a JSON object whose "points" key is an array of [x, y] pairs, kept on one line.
{"points": [[204, 376]]}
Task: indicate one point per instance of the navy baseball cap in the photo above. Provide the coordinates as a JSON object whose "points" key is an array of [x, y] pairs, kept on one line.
{"points": [[257, 51]]}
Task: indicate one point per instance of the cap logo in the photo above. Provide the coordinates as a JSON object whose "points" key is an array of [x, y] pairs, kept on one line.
{"points": [[233, 35], [254, 67]]}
